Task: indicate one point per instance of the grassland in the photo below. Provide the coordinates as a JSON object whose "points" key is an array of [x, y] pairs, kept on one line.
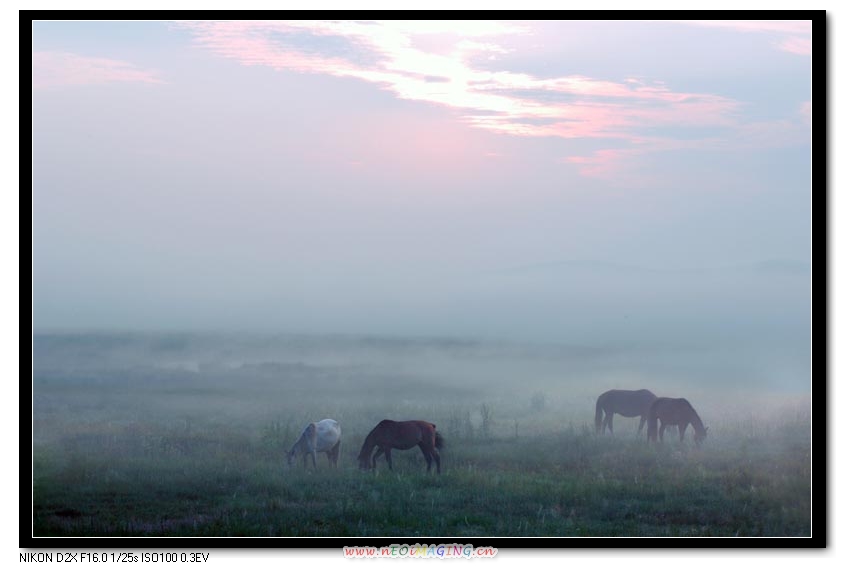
{"points": [[170, 436]]}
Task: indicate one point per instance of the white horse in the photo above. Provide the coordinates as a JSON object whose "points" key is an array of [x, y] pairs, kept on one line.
{"points": [[322, 436]]}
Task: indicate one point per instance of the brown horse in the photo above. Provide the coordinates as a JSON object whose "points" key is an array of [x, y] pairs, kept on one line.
{"points": [[676, 411], [389, 435], [624, 402]]}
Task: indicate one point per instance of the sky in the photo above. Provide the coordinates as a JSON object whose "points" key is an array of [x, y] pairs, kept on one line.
{"points": [[574, 181]]}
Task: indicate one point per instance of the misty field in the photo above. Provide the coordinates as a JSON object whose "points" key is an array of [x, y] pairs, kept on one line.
{"points": [[185, 435]]}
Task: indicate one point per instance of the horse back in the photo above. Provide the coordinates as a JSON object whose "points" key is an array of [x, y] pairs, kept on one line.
{"points": [[672, 410], [413, 432], [626, 402], [327, 434], [404, 435]]}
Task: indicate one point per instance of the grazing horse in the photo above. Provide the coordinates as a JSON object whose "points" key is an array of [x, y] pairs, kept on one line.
{"points": [[676, 411], [624, 402], [389, 435], [322, 436]]}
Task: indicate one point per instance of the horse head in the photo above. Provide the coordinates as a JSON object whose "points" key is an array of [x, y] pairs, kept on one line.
{"points": [[700, 436], [364, 462]]}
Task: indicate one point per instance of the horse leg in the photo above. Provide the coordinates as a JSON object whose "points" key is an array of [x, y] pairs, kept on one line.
{"points": [[436, 455], [333, 454], [681, 429], [389, 458], [662, 428], [314, 458], [610, 422], [379, 452], [427, 455], [642, 421]]}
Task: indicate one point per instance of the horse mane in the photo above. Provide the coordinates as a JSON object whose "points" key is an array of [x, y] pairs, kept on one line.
{"points": [[369, 442], [695, 420], [302, 443]]}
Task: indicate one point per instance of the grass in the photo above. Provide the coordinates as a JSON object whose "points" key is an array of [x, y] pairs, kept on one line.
{"points": [[149, 452], [212, 482]]}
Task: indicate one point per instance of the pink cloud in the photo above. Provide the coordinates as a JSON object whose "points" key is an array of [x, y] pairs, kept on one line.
{"points": [[436, 62], [622, 164], [602, 163], [58, 69], [485, 98], [799, 32], [607, 164], [797, 45], [620, 167]]}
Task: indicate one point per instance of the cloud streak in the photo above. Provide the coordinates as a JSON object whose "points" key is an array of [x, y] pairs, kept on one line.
{"points": [[799, 32], [501, 101], [51, 69], [796, 45], [447, 63]]}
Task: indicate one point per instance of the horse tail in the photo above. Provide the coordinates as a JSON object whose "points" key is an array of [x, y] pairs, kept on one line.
{"points": [[439, 442], [598, 414]]}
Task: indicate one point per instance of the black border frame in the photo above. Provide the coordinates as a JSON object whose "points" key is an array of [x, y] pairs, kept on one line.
{"points": [[820, 514]]}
